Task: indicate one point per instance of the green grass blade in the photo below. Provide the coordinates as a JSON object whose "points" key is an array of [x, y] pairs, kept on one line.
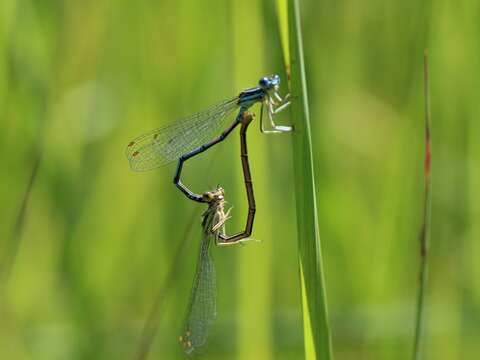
{"points": [[425, 229], [315, 318]]}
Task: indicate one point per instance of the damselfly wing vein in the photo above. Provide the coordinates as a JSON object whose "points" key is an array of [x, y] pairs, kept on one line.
{"points": [[165, 145]]}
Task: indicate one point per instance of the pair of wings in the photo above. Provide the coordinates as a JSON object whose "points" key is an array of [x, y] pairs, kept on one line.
{"points": [[202, 309], [166, 144]]}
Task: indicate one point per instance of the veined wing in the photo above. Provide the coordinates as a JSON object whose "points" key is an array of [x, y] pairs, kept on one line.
{"points": [[202, 310], [164, 145]]}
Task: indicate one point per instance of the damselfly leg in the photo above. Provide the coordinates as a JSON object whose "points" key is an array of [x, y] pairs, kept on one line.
{"points": [[274, 108]]}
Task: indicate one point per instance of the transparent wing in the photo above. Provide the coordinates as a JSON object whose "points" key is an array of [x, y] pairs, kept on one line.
{"points": [[202, 310], [167, 144]]}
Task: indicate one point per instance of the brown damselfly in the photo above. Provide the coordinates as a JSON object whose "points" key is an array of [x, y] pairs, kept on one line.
{"points": [[201, 311]]}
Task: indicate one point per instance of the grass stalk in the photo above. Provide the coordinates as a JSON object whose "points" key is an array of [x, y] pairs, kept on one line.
{"points": [[315, 317], [14, 244], [424, 234]]}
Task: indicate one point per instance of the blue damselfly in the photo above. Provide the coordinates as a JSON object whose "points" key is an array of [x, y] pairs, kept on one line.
{"points": [[193, 135]]}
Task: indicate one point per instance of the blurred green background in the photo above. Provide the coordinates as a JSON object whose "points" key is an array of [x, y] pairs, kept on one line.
{"points": [[86, 245]]}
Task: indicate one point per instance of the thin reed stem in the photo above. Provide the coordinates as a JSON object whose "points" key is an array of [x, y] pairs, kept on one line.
{"points": [[424, 235]]}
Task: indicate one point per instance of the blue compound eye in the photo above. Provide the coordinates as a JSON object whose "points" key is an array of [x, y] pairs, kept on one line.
{"points": [[263, 82]]}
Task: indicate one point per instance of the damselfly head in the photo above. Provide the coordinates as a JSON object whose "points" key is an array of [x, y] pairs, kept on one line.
{"points": [[214, 196], [270, 82]]}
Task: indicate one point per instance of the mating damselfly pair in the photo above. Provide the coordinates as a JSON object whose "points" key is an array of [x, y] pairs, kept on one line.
{"points": [[187, 138]]}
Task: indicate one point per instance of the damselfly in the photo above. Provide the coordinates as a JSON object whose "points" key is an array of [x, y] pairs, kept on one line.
{"points": [[193, 135], [201, 311]]}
